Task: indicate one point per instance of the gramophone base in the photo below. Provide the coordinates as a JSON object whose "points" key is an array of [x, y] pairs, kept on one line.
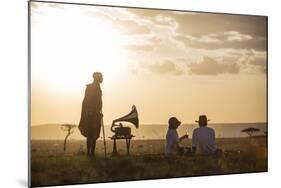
{"points": [[120, 137]]}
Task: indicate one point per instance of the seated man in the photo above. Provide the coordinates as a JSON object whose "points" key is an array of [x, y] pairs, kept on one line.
{"points": [[203, 138], [172, 138]]}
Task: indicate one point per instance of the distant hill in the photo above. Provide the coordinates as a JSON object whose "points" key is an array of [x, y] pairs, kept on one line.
{"points": [[51, 132], [54, 132], [153, 131]]}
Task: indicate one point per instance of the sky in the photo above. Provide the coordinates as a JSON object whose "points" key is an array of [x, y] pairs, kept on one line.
{"points": [[167, 63]]}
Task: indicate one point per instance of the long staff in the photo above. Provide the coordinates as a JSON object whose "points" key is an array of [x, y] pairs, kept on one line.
{"points": [[104, 143]]}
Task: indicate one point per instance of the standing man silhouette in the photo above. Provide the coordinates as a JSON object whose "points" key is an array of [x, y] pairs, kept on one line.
{"points": [[91, 115]]}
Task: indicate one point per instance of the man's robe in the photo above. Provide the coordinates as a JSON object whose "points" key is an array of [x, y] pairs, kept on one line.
{"points": [[90, 121]]}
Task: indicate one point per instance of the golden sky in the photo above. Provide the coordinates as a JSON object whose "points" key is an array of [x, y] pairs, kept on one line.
{"points": [[167, 63]]}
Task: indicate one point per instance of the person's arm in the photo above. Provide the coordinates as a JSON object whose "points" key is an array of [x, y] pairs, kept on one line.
{"points": [[213, 135], [183, 137], [214, 138], [194, 142], [97, 98]]}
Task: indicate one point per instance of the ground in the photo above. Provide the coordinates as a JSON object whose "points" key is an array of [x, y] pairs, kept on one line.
{"points": [[51, 166]]}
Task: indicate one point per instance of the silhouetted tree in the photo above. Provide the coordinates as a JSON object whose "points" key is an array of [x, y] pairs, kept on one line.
{"points": [[69, 128], [250, 130]]}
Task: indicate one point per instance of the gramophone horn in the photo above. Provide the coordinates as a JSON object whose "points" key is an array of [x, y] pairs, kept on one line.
{"points": [[132, 117]]}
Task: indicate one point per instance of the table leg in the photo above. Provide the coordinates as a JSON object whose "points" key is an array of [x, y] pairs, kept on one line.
{"points": [[114, 147], [128, 141]]}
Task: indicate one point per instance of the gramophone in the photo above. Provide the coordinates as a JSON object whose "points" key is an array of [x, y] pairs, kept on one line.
{"points": [[121, 132]]}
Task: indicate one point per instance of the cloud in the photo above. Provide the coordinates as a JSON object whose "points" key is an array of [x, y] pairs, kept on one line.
{"points": [[120, 20], [230, 39], [255, 62], [144, 13], [154, 40], [259, 63], [236, 36], [249, 63], [155, 17], [230, 31], [101, 14], [199, 24], [131, 27], [211, 31], [144, 47], [209, 66], [166, 67]]}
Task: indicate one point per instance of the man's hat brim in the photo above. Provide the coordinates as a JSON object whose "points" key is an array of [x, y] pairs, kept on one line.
{"points": [[197, 121]]}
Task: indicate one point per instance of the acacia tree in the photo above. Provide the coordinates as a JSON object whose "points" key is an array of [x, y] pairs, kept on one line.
{"points": [[250, 131], [69, 128]]}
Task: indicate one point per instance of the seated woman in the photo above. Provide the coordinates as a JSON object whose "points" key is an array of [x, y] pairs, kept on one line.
{"points": [[172, 138]]}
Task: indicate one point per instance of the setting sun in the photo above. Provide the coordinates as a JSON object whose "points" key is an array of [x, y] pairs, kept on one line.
{"points": [[69, 61]]}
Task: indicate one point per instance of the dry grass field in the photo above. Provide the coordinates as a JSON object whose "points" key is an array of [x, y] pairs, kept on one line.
{"points": [[51, 166]]}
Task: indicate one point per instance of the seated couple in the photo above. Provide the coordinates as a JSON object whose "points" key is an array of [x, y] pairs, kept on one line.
{"points": [[203, 138]]}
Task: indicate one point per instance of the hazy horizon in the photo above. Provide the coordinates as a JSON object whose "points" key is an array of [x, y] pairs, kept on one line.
{"points": [[146, 124], [155, 131]]}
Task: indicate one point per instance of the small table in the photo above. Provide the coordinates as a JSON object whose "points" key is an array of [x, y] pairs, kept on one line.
{"points": [[119, 137]]}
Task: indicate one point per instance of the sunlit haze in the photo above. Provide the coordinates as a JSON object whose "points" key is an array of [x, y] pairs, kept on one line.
{"points": [[167, 63]]}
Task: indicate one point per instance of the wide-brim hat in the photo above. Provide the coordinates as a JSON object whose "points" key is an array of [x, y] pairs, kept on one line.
{"points": [[202, 118]]}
